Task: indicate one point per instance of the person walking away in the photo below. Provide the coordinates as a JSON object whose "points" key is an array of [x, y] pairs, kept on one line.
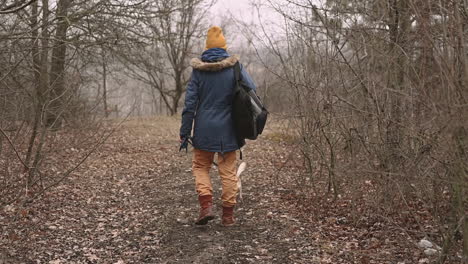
{"points": [[208, 103]]}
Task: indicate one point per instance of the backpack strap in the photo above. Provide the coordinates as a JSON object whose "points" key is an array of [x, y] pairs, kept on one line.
{"points": [[237, 74], [237, 71]]}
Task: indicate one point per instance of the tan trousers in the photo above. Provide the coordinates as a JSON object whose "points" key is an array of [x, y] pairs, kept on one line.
{"points": [[202, 162]]}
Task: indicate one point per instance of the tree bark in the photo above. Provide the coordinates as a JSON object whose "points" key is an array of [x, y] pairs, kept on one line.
{"points": [[104, 84], [57, 71], [399, 30], [37, 101]]}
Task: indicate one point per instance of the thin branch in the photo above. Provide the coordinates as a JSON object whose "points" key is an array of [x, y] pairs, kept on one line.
{"points": [[14, 149], [13, 8]]}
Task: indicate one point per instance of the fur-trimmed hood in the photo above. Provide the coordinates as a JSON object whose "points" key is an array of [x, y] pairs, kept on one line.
{"points": [[198, 64]]}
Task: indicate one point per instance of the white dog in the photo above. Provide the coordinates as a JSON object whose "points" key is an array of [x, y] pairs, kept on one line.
{"points": [[239, 181]]}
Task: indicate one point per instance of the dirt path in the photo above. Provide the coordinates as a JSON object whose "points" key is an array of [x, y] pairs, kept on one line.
{"points": [[134, 202]]}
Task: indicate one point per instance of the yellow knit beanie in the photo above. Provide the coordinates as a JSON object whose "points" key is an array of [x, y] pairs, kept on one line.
{"points": [[215, 38]]}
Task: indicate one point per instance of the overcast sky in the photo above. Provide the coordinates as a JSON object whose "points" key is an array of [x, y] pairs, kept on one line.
{"points": [[242, 11], [239, 8]]}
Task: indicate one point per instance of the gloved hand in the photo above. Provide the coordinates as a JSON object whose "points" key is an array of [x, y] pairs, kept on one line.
{"points": [[184, 141]]}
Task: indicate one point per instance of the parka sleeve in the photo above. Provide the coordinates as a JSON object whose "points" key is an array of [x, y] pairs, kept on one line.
{"points": [[247, 79], [190, 106]]}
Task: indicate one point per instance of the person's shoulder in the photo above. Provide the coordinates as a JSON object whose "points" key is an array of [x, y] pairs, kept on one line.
{"points": [[200, 65]]}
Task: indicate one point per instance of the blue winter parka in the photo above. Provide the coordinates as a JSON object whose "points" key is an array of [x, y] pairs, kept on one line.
{"points": [[208, 102]]}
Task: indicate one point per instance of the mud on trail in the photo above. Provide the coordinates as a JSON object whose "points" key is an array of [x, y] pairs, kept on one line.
{"points": [[134, 201]]}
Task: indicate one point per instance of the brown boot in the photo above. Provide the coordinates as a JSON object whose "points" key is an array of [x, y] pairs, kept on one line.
{"points": [[228, 216], [206, 209]]}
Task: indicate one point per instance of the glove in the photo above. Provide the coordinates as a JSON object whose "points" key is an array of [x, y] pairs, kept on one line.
{"points": [[184, 141]]}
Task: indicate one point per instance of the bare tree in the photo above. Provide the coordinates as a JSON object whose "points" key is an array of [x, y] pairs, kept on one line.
{"points": [[161, 61], [378, 92], [50, 53]]}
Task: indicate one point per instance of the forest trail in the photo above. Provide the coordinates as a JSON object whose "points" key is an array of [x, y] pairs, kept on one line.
{"points": [[134, 202]]}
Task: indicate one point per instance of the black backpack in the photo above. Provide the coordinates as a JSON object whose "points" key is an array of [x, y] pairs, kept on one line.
{"points": [[248, 112]]}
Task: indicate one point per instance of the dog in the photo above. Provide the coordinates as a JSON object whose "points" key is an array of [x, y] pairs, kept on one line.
{"points": [[240, 169]]}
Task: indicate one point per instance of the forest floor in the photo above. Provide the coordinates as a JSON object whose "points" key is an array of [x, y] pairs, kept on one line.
{"points": [[133, 201]]}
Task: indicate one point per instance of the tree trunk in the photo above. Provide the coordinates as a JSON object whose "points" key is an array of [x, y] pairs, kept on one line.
{"points": [[399, 31], [177, 94], [104, 85], [461, 134], [38, 102], [44, 59], [57, 72], [41, 65]]}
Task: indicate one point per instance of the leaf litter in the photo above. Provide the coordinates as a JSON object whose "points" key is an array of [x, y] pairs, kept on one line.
{"points": [[134, 201]]}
